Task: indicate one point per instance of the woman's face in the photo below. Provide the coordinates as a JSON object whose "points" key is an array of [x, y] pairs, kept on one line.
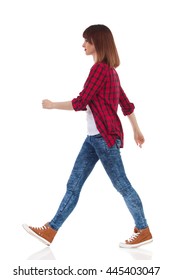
{"points": [[89, 48]]}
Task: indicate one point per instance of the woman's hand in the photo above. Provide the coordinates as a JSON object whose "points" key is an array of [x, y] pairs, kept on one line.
{"points": [[139, 138], [47, 104]]}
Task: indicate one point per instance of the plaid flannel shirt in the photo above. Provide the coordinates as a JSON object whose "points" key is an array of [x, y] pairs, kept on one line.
{"points": [[102, 92]]}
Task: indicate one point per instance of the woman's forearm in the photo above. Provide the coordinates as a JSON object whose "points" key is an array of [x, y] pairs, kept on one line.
{"points": [[133, 122], [138, 136], [66, 105]]}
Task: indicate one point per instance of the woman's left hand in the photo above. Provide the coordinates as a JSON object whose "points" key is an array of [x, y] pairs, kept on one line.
{"points": [[139, 138]]}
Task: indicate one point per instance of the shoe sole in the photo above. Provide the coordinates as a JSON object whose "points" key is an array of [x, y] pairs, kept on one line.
{"points": [[125, 245], [30, 231]]}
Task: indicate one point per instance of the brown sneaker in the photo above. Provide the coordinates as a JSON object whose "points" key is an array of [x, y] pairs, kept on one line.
{"points": [[138, 238], [45, 233]]}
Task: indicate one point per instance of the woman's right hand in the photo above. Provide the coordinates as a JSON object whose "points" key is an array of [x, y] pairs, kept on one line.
{"points": [[47, 104]]}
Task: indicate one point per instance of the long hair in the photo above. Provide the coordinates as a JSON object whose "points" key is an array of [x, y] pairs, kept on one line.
{"points": [[102, 38]]}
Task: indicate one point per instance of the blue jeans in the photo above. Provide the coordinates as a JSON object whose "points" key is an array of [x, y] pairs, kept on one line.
{"points": [[93, 149]]}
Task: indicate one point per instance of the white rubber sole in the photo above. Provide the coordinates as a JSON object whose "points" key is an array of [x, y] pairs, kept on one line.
{"points": [[125, 245], [30, 231]]}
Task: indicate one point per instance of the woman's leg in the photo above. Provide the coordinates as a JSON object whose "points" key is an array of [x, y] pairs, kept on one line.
{"points": [[83, 166], [112, 162]]}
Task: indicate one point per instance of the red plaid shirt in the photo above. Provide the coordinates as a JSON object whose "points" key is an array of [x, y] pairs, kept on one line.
{"points": [[102, 92]]}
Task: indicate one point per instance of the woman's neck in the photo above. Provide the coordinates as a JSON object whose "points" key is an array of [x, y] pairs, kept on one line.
{"points": [[95, 57]]}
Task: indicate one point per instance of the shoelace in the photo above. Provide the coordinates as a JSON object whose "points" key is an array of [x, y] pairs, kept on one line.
{"points": [[41, 228], [134, 235]]}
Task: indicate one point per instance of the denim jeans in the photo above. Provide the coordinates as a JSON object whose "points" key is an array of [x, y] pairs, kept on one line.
{"points": [[93, 149]]}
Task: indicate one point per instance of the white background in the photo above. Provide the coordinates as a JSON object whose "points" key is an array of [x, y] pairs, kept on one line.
{"points": [[41, 56]]}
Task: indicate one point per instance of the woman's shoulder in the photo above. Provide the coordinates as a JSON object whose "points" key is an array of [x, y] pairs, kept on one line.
{"points": [[100, 66]]}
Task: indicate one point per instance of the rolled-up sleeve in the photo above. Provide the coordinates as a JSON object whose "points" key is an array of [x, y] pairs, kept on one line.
{"points": [[126, 106], [92, 86]]}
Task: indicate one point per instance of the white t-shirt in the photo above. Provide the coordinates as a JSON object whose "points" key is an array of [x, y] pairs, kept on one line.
{"points": [[91, 125]]}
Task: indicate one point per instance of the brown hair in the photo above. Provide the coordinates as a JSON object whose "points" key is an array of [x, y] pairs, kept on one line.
{"points": [[102, 38]]}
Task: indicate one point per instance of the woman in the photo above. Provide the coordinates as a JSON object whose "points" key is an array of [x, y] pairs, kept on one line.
{"points": [[100, 97]]}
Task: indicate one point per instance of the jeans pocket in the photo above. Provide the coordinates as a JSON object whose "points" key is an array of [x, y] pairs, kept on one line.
{"points": [[118, 143]]}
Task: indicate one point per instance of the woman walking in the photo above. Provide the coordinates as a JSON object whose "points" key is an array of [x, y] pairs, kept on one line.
{"points": [[100, 97]]}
